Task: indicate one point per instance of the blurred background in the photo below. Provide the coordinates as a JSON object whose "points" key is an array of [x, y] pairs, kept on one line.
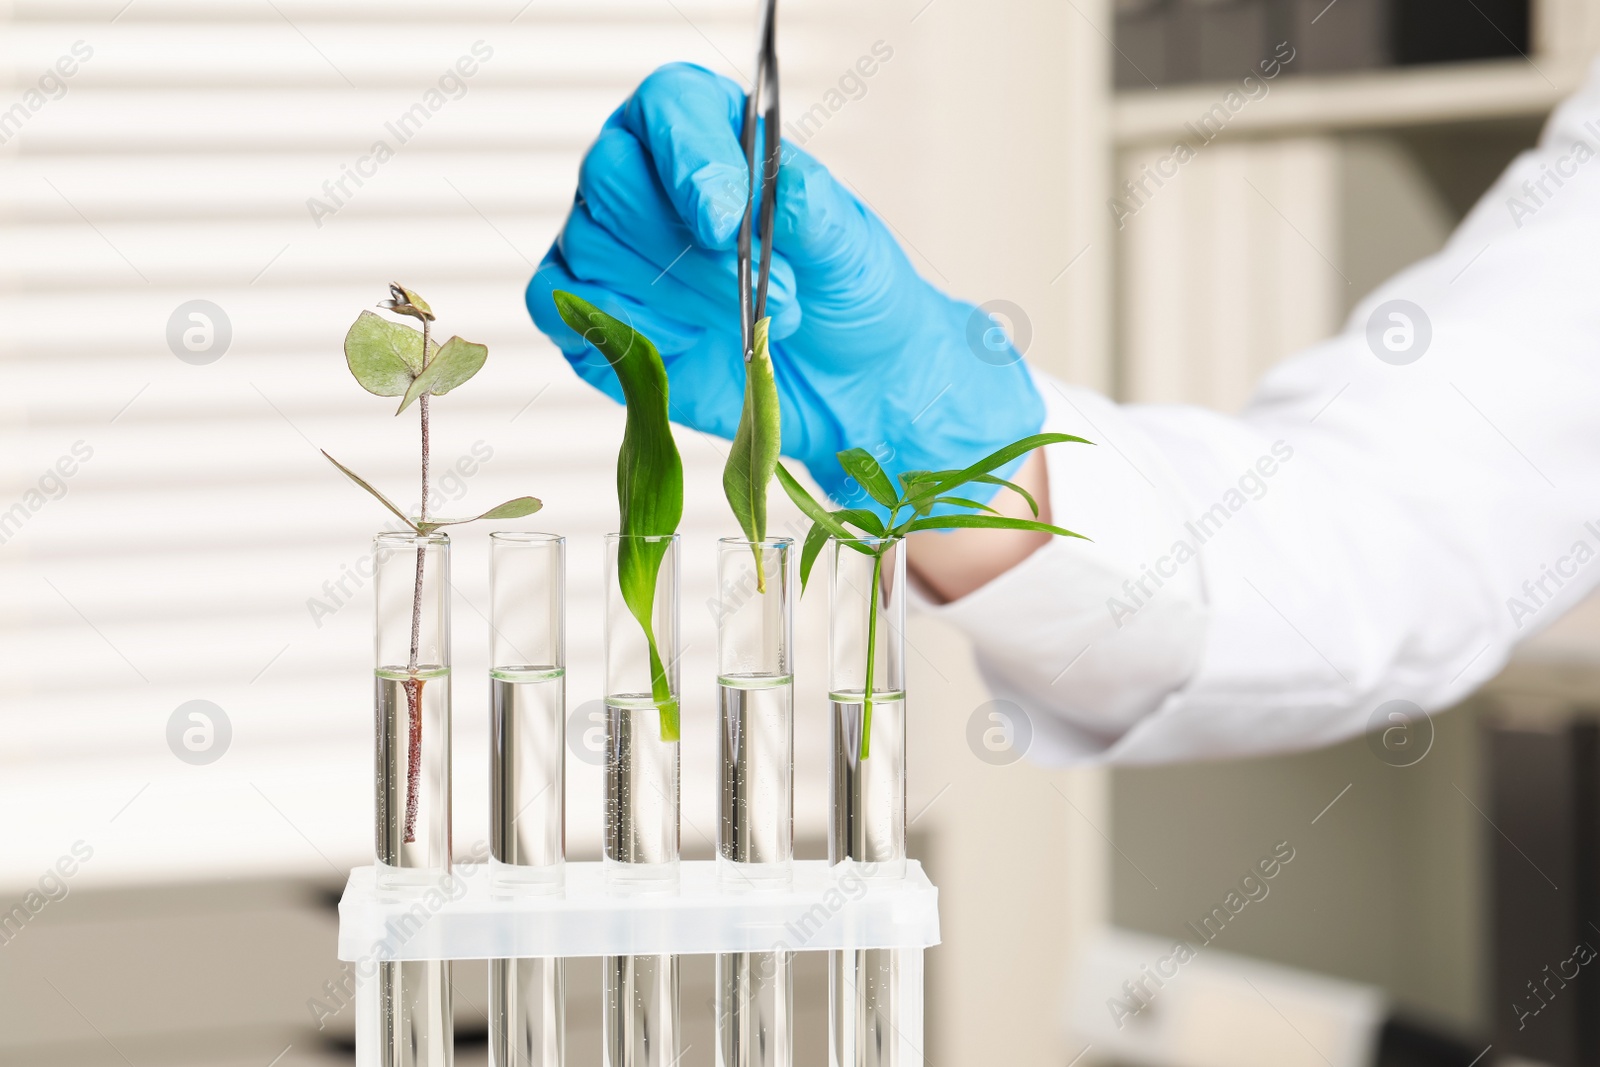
{"points": [[193, 207]]}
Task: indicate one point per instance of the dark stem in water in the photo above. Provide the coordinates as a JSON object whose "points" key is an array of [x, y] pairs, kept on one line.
{"points": [[413, 684]]}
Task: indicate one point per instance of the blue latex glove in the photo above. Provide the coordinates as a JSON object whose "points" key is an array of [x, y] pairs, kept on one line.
{"points": [[866, 353]]}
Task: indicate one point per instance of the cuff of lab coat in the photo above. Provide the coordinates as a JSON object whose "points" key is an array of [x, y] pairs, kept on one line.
{"points": [[1082, 636]]}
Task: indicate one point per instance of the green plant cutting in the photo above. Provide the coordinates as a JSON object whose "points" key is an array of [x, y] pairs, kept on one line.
{"points": [[753, 459], [649, 476], [918, 494], [393, 359]]}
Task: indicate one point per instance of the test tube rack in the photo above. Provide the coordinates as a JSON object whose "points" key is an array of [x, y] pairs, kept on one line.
{"points": [[467, 916]]}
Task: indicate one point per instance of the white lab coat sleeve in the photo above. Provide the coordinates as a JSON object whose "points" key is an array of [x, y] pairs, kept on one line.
{"points": [[1365, 531]]}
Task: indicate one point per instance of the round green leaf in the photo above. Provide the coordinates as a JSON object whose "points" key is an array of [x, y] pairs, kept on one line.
{"points": [[384, 356], [454, 363]]}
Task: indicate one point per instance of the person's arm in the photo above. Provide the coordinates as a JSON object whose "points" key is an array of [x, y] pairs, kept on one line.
{"points": [[951, 565], [1366, 531]]}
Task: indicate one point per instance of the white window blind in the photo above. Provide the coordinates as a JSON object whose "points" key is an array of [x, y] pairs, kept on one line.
{"points": [[168, 532]]}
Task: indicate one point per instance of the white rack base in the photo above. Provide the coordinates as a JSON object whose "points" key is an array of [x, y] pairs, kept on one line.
{"points": [[470, 916]]}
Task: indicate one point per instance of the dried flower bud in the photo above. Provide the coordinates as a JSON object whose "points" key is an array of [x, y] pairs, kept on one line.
{"points": [[403, 301]]}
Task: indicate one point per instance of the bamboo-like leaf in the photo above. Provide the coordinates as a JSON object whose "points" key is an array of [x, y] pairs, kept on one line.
{"points": [[963, 502], [983, 522], [754, 456], [454, 362], [816, 537], [994, 479], [944, 481], [649, 475], [384, 356], [808, 504], [385, 501], [859, 464], [870, 524], [511, 509]]}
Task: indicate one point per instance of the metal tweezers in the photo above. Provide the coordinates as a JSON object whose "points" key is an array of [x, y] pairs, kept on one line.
{"points": [[763, 92]]}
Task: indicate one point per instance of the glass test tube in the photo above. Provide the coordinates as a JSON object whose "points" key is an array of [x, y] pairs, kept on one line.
{"points": [[411, 802], [755, 832], [527, 678], [640, 1006], [866, 624]]}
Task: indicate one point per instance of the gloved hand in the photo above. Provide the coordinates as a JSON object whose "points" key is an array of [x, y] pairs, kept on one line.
{"points": [[865, 352]]}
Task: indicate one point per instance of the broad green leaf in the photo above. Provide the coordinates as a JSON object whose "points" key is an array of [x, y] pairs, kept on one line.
{"points": [[403, 301], [384, 356], [994, 479], [511, 509], [983, 522], [649, 475], [963, 502], [944, 481], [754, 457], [385, 501], [816, 537], [859, 464], [454, 362]]}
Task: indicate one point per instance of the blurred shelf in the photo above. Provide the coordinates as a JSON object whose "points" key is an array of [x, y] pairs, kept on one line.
{"points": [[1415, 96]]}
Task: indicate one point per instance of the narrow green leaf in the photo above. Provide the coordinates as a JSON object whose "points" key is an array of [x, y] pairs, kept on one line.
{"points": [[454, 362], [517, 508], [816, 537], [754, 456], [649, 475], [870, 524], [982, 522], [912, 484], [993, 479], [859, 464], [384, 356], [963, 502], [511, 509], [807, 504], [944, 481], [385, 501]]}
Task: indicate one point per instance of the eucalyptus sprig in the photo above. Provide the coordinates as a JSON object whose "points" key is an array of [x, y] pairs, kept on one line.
{"points": [[919, 493], [392, 359], [649, 476]]}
